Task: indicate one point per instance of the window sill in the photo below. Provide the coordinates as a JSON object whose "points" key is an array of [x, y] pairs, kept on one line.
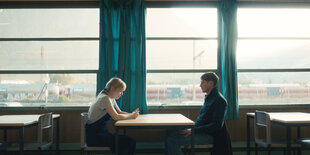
{"points": [[41, 106], [85, 106], [274, 106]]}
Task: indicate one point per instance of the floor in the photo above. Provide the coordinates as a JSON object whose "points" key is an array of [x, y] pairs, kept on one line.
{"points": [[305, 152]]}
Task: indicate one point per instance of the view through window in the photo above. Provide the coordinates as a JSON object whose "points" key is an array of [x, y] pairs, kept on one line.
{"points": [[181, 44], [42, 40], [273, 56]]}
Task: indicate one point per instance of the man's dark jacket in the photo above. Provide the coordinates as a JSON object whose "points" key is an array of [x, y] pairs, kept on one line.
{"points": [[212, 121]]}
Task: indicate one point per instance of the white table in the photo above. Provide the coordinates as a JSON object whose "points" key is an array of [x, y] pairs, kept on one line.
{"points": [[175, 121], [287, 119], [21, 122]]}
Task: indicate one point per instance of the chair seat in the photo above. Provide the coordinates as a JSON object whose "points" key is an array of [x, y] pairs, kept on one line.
{"points": [[199, 146], [305, 142], [97, 148], [31, 146], [4, 145], [94, 148], [276, 143], [204, 146]]}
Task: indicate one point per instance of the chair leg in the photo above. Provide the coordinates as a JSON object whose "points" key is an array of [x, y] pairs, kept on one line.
{"points": [[299, 150], [211, 151], [185, 151], [269, 150], [40, 152], [255, 149]]}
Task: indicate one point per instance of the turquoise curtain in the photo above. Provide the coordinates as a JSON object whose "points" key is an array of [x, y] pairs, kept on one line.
{"points": [[228, 65], [122, 50]]}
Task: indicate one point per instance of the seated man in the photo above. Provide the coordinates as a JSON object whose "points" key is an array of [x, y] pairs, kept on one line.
{"points": [[209, 126]]}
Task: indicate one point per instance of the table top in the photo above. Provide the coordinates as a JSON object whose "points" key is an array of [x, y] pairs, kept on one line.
{"points": [[288, 117], [157, 120], [20, 120]]}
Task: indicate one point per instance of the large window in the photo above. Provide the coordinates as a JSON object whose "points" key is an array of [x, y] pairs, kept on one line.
{"points": [[181, 45], [273, 56], [48, 56]]}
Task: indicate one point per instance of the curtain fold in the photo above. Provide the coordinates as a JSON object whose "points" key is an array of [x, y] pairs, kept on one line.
{"points": [[228, 65], [122, 50]]}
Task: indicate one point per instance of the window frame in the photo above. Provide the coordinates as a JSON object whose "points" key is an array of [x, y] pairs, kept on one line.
{"points": [[149, 4]]}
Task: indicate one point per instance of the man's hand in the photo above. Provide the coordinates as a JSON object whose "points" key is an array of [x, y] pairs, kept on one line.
{"points": [[187, 132]]}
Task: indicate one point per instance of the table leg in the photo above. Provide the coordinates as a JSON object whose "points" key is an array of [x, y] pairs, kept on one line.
{"points": [[288, 140], [4, 135], [4, 139], [248, 135], [193, 141], [57, 135], [298, 137], [21, 140], [116, 141]]}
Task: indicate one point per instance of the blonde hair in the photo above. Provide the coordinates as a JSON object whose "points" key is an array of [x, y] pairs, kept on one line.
{"points": [[116, 83]]}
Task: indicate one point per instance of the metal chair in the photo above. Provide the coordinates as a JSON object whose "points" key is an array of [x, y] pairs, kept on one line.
{"points": [[304, 142], [4, 145], [207, 147], [262, 124], [84, 147], [45, 122]]}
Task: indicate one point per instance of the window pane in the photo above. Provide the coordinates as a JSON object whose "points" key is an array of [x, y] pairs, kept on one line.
{"points": [[49, 55], [181, 54], [181, 22], [273, 22], [32, 23], [174, 89], [266, 54], [62, 89], [274, 88]]}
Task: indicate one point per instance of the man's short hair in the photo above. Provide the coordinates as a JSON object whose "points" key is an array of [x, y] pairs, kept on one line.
{"points": [[210, 76]]}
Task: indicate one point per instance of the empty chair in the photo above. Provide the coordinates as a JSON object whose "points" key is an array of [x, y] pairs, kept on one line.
{"points": [[262, 125], [3, 146], [45, 123], [305, 143], [84, 147]]}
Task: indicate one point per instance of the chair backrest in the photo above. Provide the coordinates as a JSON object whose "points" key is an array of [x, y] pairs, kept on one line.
{"points": [[45, 122], [305, 142], [3, 145], [84, 119], [262, 124]]}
